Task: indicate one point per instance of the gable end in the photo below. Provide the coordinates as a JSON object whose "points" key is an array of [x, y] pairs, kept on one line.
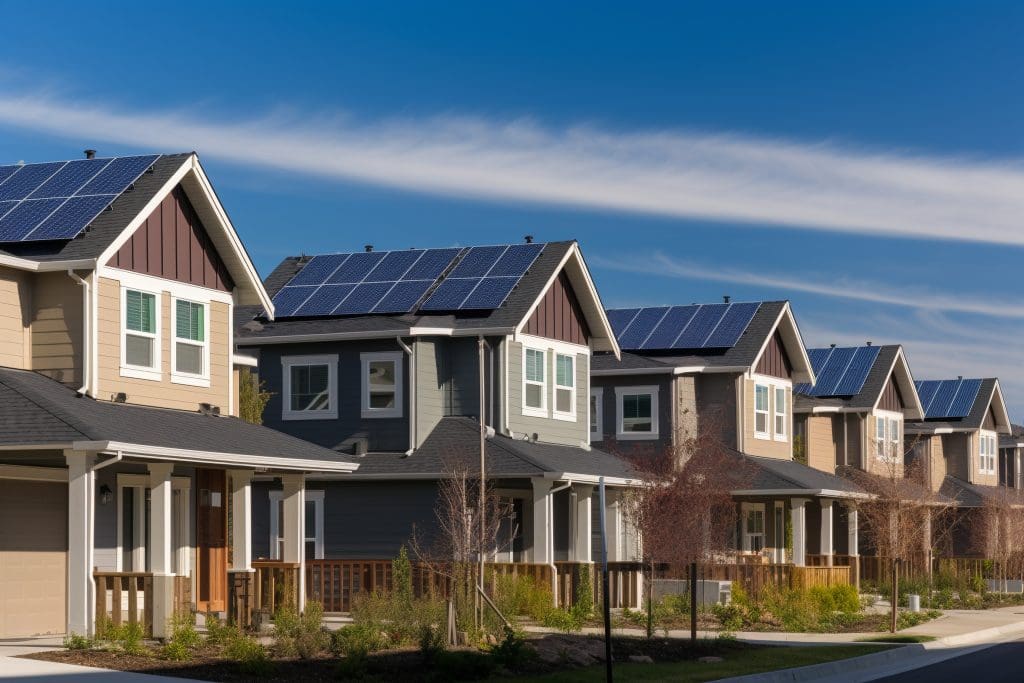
{"points": [[558, 315], [173, 244], [774, 362], [891, 398]]}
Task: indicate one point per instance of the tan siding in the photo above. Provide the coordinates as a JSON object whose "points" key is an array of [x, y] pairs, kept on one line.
{"points": [[15, 319], [429, 392], [236, 384], [938, 462], [875, 464], [956, 448], [163, 393], [769, 448], [686, 423], [821, 444], [57, 327]]}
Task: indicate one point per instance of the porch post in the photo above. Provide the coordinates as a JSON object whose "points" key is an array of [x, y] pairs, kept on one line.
{"points": [[827, 546], [853, 542], [161, 551], [798, 512], [293, 529], [584, 501], [543, 540], [241, 574], [613, 528], [81, 515]]}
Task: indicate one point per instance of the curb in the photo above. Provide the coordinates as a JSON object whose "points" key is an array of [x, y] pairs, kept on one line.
{"points": [[830, 670]]}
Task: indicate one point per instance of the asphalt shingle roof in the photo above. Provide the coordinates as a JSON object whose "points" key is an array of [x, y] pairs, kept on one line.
{"points": [[975, 495], [456, 439], [38, 411], [778, 474], [974, 420], [868, 395]]}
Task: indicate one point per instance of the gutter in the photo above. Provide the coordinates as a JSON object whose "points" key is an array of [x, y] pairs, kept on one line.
{"points": [[824, 493], [412, 394], [45, 266], [670, 370], [86, 331], [208, 457], [383, 334]]}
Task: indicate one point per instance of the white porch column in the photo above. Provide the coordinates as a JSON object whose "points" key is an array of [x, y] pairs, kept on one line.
{"points": [[293, 528], [853, 543], [582, 527], [81, 515], [827, 522], [241, 520], [161, 558], [798, 513], [613, 527], [543, 538]]}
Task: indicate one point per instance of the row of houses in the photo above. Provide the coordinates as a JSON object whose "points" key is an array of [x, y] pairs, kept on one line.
{"points": [[131, 316]]}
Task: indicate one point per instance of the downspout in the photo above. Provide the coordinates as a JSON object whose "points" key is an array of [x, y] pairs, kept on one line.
{"points": [[412, 394], [551, 530], [86, 331]]}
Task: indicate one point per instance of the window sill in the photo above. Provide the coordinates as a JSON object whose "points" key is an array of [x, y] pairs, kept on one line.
{"points": [[782, 439], [310, 415], [763, 436], [564, 417], [379, 414], [535, 412], [190, 380], [150, 374], [637, 436]]}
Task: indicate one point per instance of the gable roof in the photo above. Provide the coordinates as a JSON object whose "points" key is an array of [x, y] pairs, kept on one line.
{"points": [[771, 316], [94, 247], [457, 439], [39, 411], [890, 362], [791, 477], [989, 396], [255, 327], [976, 495]]}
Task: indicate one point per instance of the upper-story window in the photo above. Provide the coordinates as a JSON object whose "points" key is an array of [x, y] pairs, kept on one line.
{"points": [[534, 382], [565, 387], [781, 414], [310, 387], [597, 414], [888, 439], [637, 412], [987, 453], [140, 334], [771, 409], [381, 384], [761, 410], [190, 362]]}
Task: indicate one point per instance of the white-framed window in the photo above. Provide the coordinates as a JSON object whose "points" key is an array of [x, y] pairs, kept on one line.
{"points": [[313, 536], [381, 384], [761, 401], [565, 387], [597, 414], [895, 427], [535, 387], [190, 348], [888, 437], [310, 387], [133, 513], [140, 334], [753, 527], [986, 453], [781, 412], [636, 412]]}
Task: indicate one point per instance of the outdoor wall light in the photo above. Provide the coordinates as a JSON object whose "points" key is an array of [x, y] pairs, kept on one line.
{"points": [[105, 494]]}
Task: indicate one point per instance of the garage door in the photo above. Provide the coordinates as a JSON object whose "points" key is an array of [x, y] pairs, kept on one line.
{"points": [[33, 557]]}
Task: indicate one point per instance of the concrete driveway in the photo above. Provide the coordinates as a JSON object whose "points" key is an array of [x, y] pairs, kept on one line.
{"points": [[13, 668]]}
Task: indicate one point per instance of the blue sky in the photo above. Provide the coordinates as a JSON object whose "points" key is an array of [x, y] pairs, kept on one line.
{"points": [[862, 161]]}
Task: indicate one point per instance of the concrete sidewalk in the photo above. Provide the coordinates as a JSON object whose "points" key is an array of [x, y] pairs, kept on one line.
{"points": [[36, 671]]}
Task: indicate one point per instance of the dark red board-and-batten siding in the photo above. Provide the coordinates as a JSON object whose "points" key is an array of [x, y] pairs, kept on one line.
{"points": [[173, 244], [891, 399], [559, 316], [774, 362]]}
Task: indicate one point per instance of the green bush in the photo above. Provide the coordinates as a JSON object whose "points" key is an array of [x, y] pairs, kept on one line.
{"points": [[400, 624], [301, 636], [584, 604], [219, 632], [731, 617], [355, 640], [250, 654], [401, 579], [432, 642], [512, 653], [129, 637], [564, 620], [176, 651], [77, 642]]}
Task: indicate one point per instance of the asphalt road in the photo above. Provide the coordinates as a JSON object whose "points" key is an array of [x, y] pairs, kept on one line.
{"points": [[999, 664]]}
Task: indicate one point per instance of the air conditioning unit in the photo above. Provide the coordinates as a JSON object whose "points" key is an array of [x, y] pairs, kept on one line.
{"points": [[708, 592]]}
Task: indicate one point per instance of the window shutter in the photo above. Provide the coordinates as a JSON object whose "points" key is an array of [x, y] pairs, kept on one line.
{"points": [[182, 321], [133, 310]]}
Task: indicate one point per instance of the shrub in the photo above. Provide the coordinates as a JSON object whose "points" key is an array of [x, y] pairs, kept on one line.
{"points": [[129, 637], [182, 629], [220, 633], [356, 639], [584, 604], [564, 620], [400, 624], [176, 651], [77, 642], [512, 652], [432, 642], [301, 636], [401, 579], [731, 617], [251, 655]]}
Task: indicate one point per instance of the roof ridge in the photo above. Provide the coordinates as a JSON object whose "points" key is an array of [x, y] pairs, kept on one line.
{"points": [[49, 407]]}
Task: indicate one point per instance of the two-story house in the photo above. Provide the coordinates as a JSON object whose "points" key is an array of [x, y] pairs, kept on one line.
{"points": [[958, 440], [401, 358], [1011, 462], [119, 453], [727, 369]]}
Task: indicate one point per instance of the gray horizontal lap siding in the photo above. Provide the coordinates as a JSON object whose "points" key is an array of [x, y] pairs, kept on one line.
{"points": [[548, 429], [610, 415], [383, 434]]}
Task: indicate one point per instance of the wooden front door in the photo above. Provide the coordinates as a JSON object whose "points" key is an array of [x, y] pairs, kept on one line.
{"points": [[211, 541]]}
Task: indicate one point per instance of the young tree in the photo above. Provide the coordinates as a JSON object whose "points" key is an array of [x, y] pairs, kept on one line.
{"points": [[997, 531], [252, 399]]}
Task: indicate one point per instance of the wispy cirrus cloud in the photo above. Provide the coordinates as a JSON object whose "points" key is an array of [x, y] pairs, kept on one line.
{"points": [[719, 177], [837, 287]]}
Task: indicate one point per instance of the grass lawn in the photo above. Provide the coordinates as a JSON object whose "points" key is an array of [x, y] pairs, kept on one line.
{"points": [[755, 660]]}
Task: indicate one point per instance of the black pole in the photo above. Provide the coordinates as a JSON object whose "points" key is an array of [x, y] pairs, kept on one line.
{"points": [[693, 602], [605, 588]]}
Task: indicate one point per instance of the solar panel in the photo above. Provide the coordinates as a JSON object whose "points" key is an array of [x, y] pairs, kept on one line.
{"points": [[393, 266], [432, 264], [490, 293], [289, 299], [356, 267], [948, 398], [834, 370], [324, 300], [643, 324], [318, 269], [363, 298], [944, 396], [856, 374], [478, 261], [963, 402], [450, 294], [701, 326], [926, 393], [57, 200], [516, 261], [403, 296], [732, 326], [666, 332], [620, 318]]}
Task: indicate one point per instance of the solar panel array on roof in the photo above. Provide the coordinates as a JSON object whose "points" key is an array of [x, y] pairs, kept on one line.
{"points": [[665, 328], [453, 279], [840, 371], [58, 200], [948, 398]]}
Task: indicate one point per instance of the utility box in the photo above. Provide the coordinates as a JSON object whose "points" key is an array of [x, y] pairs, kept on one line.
{"points": [[708, 592]]}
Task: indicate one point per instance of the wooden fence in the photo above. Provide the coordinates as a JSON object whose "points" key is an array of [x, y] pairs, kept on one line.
{"points": [[127, 598], [755, 578]]}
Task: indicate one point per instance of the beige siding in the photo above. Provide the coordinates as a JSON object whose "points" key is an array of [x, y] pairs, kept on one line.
{"points": [[937, 462], [876, 465], [956, 449], [769, 448], [163, 393], [685, 421], [548, 429], [974, 444], [57, 327], [15, 319], [821, 443]]}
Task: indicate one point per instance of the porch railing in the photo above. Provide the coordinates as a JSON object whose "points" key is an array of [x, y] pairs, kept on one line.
{"points": [[275, 584], [127, 598]]}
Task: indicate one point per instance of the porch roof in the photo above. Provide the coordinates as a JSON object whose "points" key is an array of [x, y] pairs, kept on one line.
{"points": [[457, 440], [976, 495], [788, 477], [39, 411]]}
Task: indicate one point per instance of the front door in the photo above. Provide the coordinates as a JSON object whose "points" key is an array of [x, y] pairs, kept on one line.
{"points": [[211, 541]]}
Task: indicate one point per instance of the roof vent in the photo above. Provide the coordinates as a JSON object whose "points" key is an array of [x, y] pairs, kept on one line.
{"points": [[528, 238], [725, 298], [831, 346], [90, 154], [959, 376], [368, 247], [534, 438], [360, 447], [209, 409], [869, 342]]}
